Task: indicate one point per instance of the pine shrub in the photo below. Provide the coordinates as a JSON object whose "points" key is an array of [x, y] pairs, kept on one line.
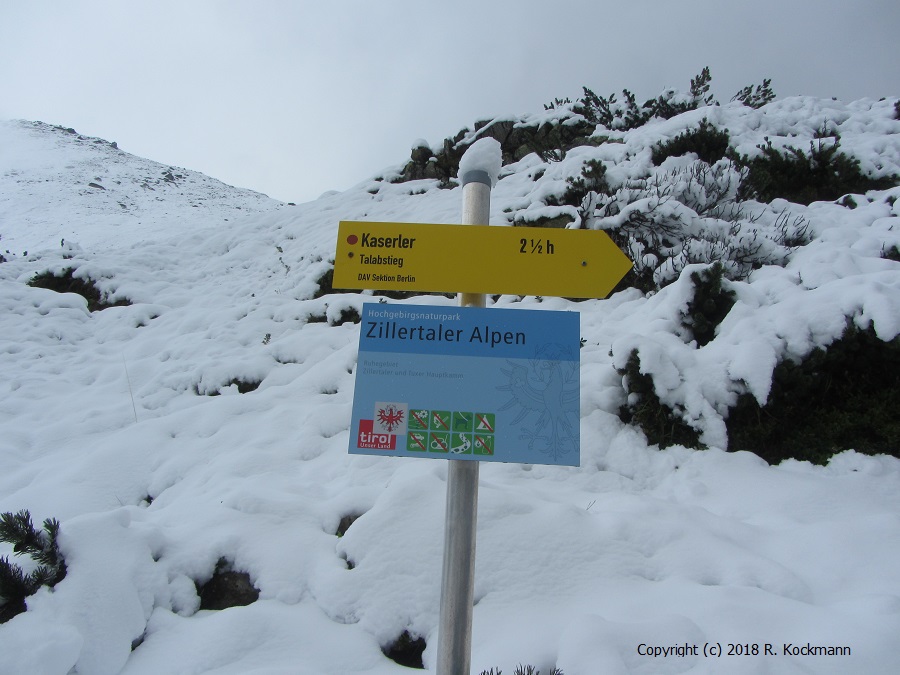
{"points": [[756, 98], [825, 174], [406, 651], [709, 305], [845, 396], [592, 179], [557, 103], [635, 116], [706, 141], [700, 88], [42, 547], [669, 105], [662, 425], [628, 114], [325, 283], [596, 109]]}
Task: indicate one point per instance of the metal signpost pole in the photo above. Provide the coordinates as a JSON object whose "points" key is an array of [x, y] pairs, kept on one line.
{"points": [[458, 579]]}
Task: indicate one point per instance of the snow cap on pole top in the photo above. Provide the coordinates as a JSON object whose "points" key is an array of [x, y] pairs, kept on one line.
{"points": [[481, 162]]}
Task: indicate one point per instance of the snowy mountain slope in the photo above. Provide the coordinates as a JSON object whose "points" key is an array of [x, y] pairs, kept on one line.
{"points": [[53, 180], [108, 422]]}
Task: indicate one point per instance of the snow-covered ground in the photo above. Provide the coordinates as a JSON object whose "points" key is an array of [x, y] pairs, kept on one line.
{"points": [[624, 565], [57, 184]]}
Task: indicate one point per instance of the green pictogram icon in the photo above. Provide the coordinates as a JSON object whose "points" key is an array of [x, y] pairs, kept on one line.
{"points": [[440, 420], [463, 422], [485, 423], [461, 444], [417, 441], [484, 444], [418, 419], [439, 441]]}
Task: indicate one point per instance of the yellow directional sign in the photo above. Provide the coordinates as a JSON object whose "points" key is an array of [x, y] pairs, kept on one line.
{"points": [[477, 259]]}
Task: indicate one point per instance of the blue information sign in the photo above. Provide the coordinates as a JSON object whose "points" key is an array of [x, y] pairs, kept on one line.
{"points": [[468, 383]]}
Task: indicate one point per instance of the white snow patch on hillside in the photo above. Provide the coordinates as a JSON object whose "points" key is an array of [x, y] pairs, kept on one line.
{"points": [[54, 181]]}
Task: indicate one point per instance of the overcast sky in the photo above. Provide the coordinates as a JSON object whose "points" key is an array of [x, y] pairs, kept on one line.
{"points": [[293, 98]]}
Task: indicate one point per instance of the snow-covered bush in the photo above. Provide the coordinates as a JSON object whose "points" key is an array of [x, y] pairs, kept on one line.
{"points": [[842, 396], [627, 114], [845, 396], [706, 141], [663, 424], [42, 547], [825, 174], [406, 650], [758, 97], [709, 304], [592, 179], [687, 215], [67, 282], [706, 301]]}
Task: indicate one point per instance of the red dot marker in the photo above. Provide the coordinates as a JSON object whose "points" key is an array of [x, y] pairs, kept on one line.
{"points": [[352, 239]]}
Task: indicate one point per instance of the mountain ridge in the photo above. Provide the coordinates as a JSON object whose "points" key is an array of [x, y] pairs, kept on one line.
{"points": [[52, 176]]}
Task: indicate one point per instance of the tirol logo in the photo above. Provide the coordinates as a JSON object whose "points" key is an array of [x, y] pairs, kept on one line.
{"points": [[390, 418], [374, 440]]}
